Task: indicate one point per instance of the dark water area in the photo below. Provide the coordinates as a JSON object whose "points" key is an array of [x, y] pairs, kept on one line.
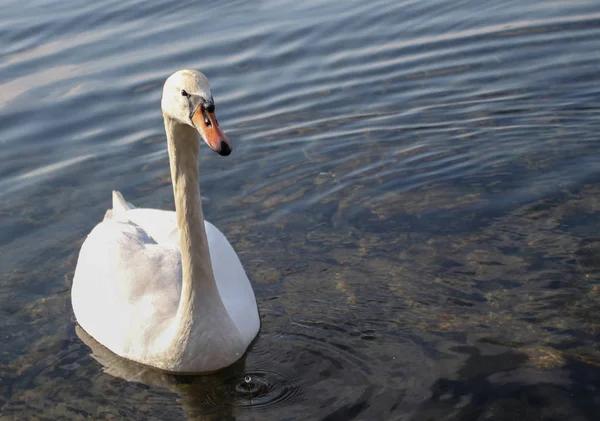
{"points": [[414, 193]]}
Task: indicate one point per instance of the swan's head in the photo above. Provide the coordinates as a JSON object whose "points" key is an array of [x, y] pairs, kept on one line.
{"points": [[187, 99]]}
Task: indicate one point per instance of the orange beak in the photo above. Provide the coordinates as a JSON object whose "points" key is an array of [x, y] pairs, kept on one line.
{"points": [[209, 129]]}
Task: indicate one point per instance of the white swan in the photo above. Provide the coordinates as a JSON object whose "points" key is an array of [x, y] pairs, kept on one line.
{"points": [[162, 288]]}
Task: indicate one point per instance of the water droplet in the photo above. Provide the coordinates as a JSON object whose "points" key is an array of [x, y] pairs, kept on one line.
{"points": [[264, 389]]}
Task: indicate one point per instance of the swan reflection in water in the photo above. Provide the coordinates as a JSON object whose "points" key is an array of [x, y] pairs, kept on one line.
{"points": [[204, 397]]}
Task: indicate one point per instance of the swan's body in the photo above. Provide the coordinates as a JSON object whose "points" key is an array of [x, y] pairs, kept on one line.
{"points": [[164, 288]]}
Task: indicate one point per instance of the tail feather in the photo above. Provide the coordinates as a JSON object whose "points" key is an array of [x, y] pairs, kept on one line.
{"points": [[119, 202], [119, 206]]}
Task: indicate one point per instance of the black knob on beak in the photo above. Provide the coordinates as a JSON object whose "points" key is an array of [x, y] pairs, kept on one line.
{"points": [[225, 149]]}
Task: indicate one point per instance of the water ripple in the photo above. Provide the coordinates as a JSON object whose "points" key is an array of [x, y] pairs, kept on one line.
{"points": [[255, 390], [366, 135]]}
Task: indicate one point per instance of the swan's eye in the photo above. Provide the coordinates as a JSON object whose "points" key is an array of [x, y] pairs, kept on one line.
{"points": [[206, 119], [184, 93], [210, 107]]}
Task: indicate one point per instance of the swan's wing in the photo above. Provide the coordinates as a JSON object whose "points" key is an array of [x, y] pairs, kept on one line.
{"points": [[233, 283], [126, 286]]}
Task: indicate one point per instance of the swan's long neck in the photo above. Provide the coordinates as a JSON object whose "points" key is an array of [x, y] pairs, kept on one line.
{"points": [[198, 278]]}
